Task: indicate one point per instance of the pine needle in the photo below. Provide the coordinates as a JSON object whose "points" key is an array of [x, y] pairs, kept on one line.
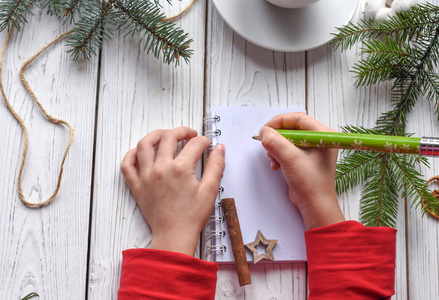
{"points": [[30, 296], [14, 13]]}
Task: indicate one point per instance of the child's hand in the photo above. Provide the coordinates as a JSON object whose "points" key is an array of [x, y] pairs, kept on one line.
{"points": [[174, 203], [310, 173]]}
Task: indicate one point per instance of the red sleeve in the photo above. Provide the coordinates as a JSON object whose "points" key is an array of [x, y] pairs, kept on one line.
{"points": [[350, 261], [157, 274]]}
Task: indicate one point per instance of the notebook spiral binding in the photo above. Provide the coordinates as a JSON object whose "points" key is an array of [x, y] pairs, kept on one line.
{"points": [[215, 227]]}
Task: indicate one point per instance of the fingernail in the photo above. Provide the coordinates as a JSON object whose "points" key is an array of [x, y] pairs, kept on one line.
{"points": [[221, 148], [272, 164]]}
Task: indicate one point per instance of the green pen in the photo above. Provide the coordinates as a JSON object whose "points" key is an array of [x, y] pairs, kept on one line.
{"points": [[425, 146]]}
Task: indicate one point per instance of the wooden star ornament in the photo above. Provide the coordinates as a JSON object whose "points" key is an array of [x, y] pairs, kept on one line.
{"points": [[260, 239]]}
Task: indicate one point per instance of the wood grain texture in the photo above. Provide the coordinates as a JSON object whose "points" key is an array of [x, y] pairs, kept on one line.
{"points": [[137, 95], [44, 250], [242, 74], [423, 231]]}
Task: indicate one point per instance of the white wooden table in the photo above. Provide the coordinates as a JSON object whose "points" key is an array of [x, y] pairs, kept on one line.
{"points": [[72, 248]]}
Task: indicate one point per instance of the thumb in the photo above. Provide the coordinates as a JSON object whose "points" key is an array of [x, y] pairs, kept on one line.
{"points": [[213, 170], [278, 146]]}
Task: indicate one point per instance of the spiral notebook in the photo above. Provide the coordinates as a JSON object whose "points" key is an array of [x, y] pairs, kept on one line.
{"points": [[261, 194]]}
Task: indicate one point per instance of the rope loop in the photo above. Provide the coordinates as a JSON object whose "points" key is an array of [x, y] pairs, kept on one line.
{"points": [[23, 126]]}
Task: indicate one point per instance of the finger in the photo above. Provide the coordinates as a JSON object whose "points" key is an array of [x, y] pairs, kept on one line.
{"points": [[170, 139], [193, 150], [146, 150], [299, 121], [129, 169], [213, 171], [274, 164], [279, 147]]}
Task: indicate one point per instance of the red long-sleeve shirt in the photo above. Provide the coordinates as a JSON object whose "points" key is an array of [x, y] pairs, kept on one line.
{"points": [[345, 261]]}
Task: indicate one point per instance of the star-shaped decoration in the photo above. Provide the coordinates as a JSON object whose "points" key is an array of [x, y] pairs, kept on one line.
{"points": [[260, 238]]}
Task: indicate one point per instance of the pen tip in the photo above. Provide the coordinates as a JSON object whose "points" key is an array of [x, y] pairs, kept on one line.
{"points": [[256, 137]]}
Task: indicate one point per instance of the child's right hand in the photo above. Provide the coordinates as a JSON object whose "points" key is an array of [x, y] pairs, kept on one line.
{"points": [[310, 173]]}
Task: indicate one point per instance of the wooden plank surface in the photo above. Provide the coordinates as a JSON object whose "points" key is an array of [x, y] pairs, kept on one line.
{"points": [[137, 94], [44, 250], [242, 74], [423, 232]]}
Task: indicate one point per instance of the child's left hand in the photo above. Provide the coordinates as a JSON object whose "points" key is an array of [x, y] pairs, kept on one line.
{"points": [[174, 203]]}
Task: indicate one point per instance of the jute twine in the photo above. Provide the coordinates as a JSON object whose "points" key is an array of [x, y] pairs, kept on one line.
{"points": [[171, 18], [23, 126]]}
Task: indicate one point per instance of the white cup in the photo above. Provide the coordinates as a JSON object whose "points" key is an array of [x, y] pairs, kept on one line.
{"points": [[292, 3]]}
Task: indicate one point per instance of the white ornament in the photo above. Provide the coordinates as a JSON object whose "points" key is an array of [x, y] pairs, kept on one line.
{"points": [[400, 5], [372, 7], [385, 14], [384, 9]]}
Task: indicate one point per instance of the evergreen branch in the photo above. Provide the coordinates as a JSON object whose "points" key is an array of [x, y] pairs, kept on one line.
{"points": [[404, 96], [411, 179], [72, 8], [144, 19], [14, 12], [379, 203], [355, 168], [360, 130], [385, 61], [388, 49], [52, 6], [91, 30], [432, 89], [405, 26], [373, 70]]}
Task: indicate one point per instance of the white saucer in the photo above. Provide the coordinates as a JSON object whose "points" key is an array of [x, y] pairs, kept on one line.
{"points": [[286, 30]]}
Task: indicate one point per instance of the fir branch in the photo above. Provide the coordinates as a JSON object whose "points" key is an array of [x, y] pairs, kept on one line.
{"points": [[384, 61], [143, 19], [355, 168], [405, 93], [431, 86], [91, 30], [135, 18], [14, 13], [408, 87], [411, 179], [51, 6], [379, 202], [405, 26], [360, 130], [72, 8]]}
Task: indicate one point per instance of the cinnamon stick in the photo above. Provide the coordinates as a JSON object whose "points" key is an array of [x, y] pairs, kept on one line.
{"points": [[234, 230]]}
